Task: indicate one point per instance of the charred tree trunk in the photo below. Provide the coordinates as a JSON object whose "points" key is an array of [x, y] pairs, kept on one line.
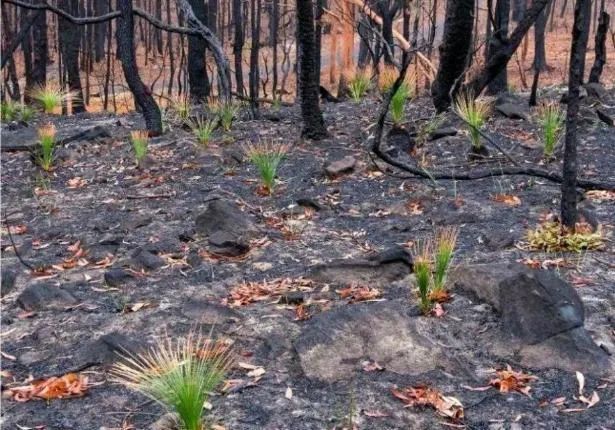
{"points": [[238, 45], [197, 73], [580, 34], [313, 123], [454, 51], [255, 20], [502, 56], [68, 34], [39, 59], [318, 36], [101, 7], [275, 22], [26, 47], [518, 9], [600, 47], [126, 51], [498, 38], [388, 9], [540, 57]]}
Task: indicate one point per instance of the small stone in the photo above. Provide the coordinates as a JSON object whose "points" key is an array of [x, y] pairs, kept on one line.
{"points": [[605, 117], [7, 283], [443, 132], [340, 166], [292, 298], [209, 313], [169, 421], [224, 243], [262, 266], [117, 276], [111, 347], [225, 216], [144, 259], [596, 90], [40, 297], [512, 111]]}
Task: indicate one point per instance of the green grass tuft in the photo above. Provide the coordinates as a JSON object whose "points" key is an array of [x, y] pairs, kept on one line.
{"points": [[446, 239], [551, 121], [398, 103], [47, 142], [474, 112], [422, 272], [140, 143], [50, 96], [267, 158], [203, 129], [358, 86]]}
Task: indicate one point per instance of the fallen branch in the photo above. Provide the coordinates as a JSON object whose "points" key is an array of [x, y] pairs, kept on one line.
{"points": [[586, 184]]}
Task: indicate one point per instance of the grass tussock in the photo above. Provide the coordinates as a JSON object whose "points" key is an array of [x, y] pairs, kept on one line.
{"points": [[551, 121], [179, 374], [551, 236], [140, 143], [398, 103], [358, 85], [266, 157], [474, 113], [422, 271], [12, 111], [203, 129], [50, 96], [47, 143]]}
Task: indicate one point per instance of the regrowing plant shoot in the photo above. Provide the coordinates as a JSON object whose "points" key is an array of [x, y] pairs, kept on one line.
{"points": [[50, 96], [358, 86], [9, 110], [182, 109], [446, 239], [387, 78], [422, 271], [47, 142], [226, 112], [551, 121], [267, 158], [140, 142], [178, 374], [203, 129], [474, 112], [398, 103]]}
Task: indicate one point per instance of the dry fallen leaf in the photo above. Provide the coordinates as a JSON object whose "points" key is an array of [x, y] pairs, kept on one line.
{"points": [[355, 293], [69, 385], [446, 406], [507, 199], [508, 380], [371, 366], [76, 182]]}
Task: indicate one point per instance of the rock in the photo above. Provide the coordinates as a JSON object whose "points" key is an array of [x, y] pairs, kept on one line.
{"points": [[497, 240], [333, 344], [44, 296], [441, 132], [116, 277], [137, 222], [7, 282], [209, 313], [224, 243], [144, 259], [96, 132], [292, 298], [340, 166], [169, 421], [377, 270], [110, 348], [399, 142], [542, 316], [605, 117], [232, 156], [225, 216], [512, 111], [596, 90], [582, 95], [309, 203], [32, 357]]}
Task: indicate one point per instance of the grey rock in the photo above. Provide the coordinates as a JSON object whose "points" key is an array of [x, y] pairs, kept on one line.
{"points": [[376, 270], [7, 282], [210, 313], [497, 240], [225, 243], [340, 166], [169, 421], [512, 111], [332, 344], [443, 132], [144, 259], [44, 296], [605, 117], [110, 348], [117, 276], [32, 357], [225, 216], [292, 298], [96, 132], [596, 90]]}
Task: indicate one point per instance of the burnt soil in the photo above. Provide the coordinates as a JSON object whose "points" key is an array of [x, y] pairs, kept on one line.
{"points": [[117, 208]]}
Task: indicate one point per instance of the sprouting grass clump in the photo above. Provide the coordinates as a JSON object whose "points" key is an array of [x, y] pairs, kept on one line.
{"points": [[446, 240], [267, 158], [359, 85], [551, 121], [386, 78], [179, 374], [551, 236], [140, 143], [8, 110], [26, 113], [203, 129], [50, 96], [47, 143], [182, 109], [474, 112], [428, 127], [227, 114], [398, 103], [422, 271]]}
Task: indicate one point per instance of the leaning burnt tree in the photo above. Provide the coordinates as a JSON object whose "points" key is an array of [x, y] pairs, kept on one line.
{"points": [[499, 36], [313, 123], [600, 46], [580, 34]]}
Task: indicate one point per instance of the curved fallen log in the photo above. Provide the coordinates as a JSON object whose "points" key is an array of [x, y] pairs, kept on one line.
{"points": [[586, 184]]}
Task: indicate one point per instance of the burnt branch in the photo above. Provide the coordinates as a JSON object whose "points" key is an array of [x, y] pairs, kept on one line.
{"points": [[73, 19]]}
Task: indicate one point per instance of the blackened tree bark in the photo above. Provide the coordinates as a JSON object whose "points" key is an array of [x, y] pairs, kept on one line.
{"points": [[238, 45], [518, 9], [101, 7], [212, 15], [126, 52], [68, 35], [499, 36], [453, 50], [540, 57], [254, 76], [580, 34], [502, 56], [313, 123], [39, 59], [275, 22], [388, 9], [197, 73], [320, 4], [600, 47]]}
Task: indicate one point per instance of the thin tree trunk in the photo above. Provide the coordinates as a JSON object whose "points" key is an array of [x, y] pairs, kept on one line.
{"points": [[40, 58], [580, 34], [313, 123], [255, 21], [600, 47], [68, 34], [499, 37], [540, 57], [238, 45], [197, 73]]}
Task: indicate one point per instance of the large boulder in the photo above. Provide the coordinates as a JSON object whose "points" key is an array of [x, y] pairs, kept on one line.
{"points": [[332, 345], [376, 270], [45, 296], [542, 316], [225, 216]]}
